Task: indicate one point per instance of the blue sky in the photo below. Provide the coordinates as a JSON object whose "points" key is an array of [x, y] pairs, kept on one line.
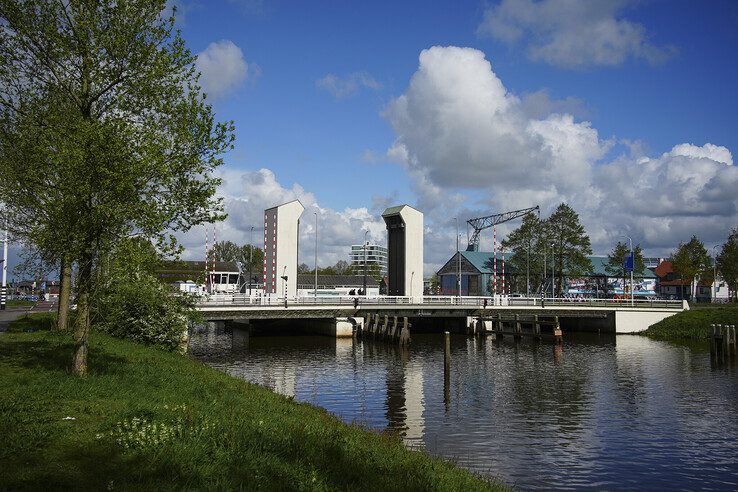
{"points": [[625, 109], [651, 80]]}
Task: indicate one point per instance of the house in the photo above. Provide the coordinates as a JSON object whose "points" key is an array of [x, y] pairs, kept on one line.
{"points": [[671, 286]]}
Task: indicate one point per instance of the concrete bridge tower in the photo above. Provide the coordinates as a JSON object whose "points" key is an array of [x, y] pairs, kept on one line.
{"points": [[280, 248], [405, 250]]}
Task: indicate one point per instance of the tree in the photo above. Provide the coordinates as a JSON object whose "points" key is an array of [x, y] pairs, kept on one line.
{"points": [[691, 261], [225, 251], [727, 263], [615, 265], [525, 243], [571, 244], [104, 133], [303, 268]]}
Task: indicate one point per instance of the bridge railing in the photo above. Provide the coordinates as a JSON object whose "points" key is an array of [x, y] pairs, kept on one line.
{"points": [[465, 301]]}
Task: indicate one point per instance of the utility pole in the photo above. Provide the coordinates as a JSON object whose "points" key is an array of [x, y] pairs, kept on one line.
{"points": [[632, 266], [251, 257], [366, 246], [527, 270], [315, 291]]}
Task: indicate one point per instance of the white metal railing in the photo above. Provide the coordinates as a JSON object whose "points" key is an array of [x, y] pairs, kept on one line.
{"points": [[246, 300]]}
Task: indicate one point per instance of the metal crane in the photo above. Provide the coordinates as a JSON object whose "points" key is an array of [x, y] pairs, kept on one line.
{"points": [[481, 223]]}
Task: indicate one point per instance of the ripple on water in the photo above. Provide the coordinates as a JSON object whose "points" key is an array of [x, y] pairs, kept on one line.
{"points": [[598, 412]]}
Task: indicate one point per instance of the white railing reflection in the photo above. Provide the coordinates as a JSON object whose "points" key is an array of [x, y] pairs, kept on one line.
{"points": [[466, 301]]}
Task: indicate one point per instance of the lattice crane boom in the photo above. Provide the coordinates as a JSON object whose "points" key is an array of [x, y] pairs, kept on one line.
{"points": [[481, 223]]}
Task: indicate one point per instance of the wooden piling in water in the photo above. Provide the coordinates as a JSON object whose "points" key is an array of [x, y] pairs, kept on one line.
{"points": [[558, 335], [536, 327], [404, 337], [447, 354], [518, 328]]}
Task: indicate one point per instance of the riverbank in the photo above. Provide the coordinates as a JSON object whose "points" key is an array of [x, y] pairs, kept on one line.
{"points": [[148, 419], [693, 324]]}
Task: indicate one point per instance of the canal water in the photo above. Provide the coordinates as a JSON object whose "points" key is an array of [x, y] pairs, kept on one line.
{"points": [[597, 412]]}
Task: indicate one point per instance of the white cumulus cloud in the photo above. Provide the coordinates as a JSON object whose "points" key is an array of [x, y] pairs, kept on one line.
{"points": [[224, 68], [466, 141], [572, 33]]}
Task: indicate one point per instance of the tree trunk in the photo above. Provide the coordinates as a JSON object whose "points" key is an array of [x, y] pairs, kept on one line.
{"points": [[82, 323], [65, 288]]}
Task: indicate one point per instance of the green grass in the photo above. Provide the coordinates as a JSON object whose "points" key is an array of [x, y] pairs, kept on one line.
{"points": [[19, 303], [32, 322], [145, 419], [695, 323]]}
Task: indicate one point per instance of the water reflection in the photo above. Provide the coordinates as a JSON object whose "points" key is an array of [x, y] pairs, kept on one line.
{"points": [[597, 412]]}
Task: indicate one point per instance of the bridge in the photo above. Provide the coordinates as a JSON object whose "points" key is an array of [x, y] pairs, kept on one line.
{"points": [[340, 316]]}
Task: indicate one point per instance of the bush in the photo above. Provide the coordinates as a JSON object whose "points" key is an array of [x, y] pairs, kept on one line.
{"points": [[143, 309]]}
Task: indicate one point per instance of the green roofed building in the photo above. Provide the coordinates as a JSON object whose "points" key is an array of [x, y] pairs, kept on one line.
{"points": [[477, 272]]}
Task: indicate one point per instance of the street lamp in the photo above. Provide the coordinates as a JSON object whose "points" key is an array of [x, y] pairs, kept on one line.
{"points": [[714, 273], [284, 283], [553, 272], [632, 266], [315, 291], [251, 257], [412, 275], [366, 246]]}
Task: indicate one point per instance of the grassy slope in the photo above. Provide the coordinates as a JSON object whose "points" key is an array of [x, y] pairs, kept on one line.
{"points": [[695, 323], [228, 433]]}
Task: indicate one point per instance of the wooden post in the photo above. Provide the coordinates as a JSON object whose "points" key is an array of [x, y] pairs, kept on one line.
{"points": [[405, 332], [393, 332], [712, 340], [518, 328], [536, 327], [558, 335], [497, 324]]}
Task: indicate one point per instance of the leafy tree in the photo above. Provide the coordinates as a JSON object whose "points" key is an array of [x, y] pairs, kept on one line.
{"points": [[526, 245], [615, 261], [571, 244], [691, 261], [727, 262], [225, 251], [104, 133], [303, 268]]}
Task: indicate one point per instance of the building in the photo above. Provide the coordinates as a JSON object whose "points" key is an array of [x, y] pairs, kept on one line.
{"points": [[336, 285], [671, 286], [404, 250], [477, 274], [281, 233], [198, 277], [376, 259]]}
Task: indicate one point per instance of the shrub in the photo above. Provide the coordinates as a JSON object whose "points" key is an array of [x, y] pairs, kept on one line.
{"points": [[143, 309]]}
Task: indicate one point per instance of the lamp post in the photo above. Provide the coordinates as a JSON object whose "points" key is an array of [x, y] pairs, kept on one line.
{"points": [[251, 258], [458, 260], [284, 283], [527, 270], [412, 275], [315, 291], [545, 269], [632, 266], [714, 273], [553, 271], [366, 246]]}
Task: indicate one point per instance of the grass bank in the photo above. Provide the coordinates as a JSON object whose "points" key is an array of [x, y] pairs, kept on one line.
{"points": [[147, 419], [695, 323], [11, 303]]}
